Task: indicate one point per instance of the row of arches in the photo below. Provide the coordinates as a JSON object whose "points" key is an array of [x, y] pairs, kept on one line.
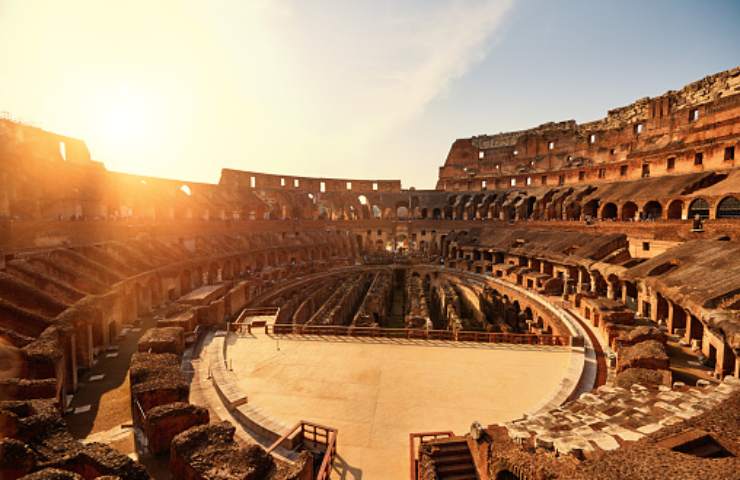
{"points": [[726, 208]]}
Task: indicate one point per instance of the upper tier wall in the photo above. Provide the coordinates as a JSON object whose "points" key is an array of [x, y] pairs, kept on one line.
{"points": [[694, 129], [256, 180], [19, 142]]}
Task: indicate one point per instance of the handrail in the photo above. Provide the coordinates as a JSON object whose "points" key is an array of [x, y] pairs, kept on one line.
{"points": [[242, 321], [414, 447], [328, 462], [140, 409], [421, 333], [286, 436], [316, 433]]}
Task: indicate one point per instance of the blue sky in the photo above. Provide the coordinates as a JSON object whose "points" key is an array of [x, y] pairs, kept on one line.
{"points": [[377, 89]]}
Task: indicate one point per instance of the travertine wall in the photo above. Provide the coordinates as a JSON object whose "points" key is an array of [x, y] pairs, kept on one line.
{"points": [[695, 129]]}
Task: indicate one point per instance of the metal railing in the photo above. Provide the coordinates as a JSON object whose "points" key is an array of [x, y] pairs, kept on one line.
{"points": [[415, 441], [245, 320], [139, 415], [420, 334], [320, 436]]}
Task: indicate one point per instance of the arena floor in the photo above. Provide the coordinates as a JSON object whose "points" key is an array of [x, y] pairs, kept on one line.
{"points": [[377, 391]]}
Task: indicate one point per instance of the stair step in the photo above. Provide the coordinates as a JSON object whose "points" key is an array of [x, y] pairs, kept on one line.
{"points": [[451, 459], [463, 476], [459, 468], [462, 447], [446, 452], [447, 441]]}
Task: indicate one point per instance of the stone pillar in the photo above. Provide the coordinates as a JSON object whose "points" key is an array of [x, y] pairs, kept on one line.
{"points": [[654, 307], [90, 346], [579, 286], [669, 320], [609, 290], [689, 327], [72, 359]]}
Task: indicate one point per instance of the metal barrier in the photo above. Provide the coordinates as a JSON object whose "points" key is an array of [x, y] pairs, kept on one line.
{"points": [[420, 334], [320, 435], [245, 320], [415, 441]]}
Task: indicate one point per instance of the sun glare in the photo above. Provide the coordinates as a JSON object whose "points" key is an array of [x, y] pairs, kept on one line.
{"points": [[129, 118], [125, 118]]}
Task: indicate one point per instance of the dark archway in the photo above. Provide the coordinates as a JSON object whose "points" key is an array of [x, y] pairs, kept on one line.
{"points": [[591, 208], [652, 210], [675, 210], [609, 212], [729, 207], [629, 210]]}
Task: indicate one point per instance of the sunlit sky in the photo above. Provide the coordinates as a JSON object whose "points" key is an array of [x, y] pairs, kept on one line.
{"points": [[345, 88]]}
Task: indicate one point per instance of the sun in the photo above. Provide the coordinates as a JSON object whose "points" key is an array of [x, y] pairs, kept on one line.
{"points": [[126, 118]]}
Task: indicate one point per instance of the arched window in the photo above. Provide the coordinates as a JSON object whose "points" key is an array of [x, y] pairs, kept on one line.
{"points": [[728, 208], [377, 213], [698, 207]]}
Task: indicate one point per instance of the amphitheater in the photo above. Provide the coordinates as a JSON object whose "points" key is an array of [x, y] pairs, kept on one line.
{"points": [[565, 304]]}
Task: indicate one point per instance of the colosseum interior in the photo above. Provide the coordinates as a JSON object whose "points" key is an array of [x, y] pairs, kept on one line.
{"points": [[565, 304]]}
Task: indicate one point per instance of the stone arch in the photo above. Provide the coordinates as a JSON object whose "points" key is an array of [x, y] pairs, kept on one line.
{"points": [[437, 214], [155, 289], [615, 285], [629, 211], [591, 208], [237, 265], [448, 212], [609, 211], [185, 282], [143, 296], [652, 210], [573, 211], [675, 210], [402, 211], [529, 207], [728, 207], [213, 273], [462, 201], [324, 213], [376, 212], [700, 207], [227, 273]]}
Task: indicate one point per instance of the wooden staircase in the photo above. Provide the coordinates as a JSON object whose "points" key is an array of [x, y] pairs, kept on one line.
{"points": [[452, 459]]}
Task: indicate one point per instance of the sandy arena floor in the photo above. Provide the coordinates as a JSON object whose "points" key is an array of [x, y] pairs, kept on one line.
{"points": [[376, 392]]}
